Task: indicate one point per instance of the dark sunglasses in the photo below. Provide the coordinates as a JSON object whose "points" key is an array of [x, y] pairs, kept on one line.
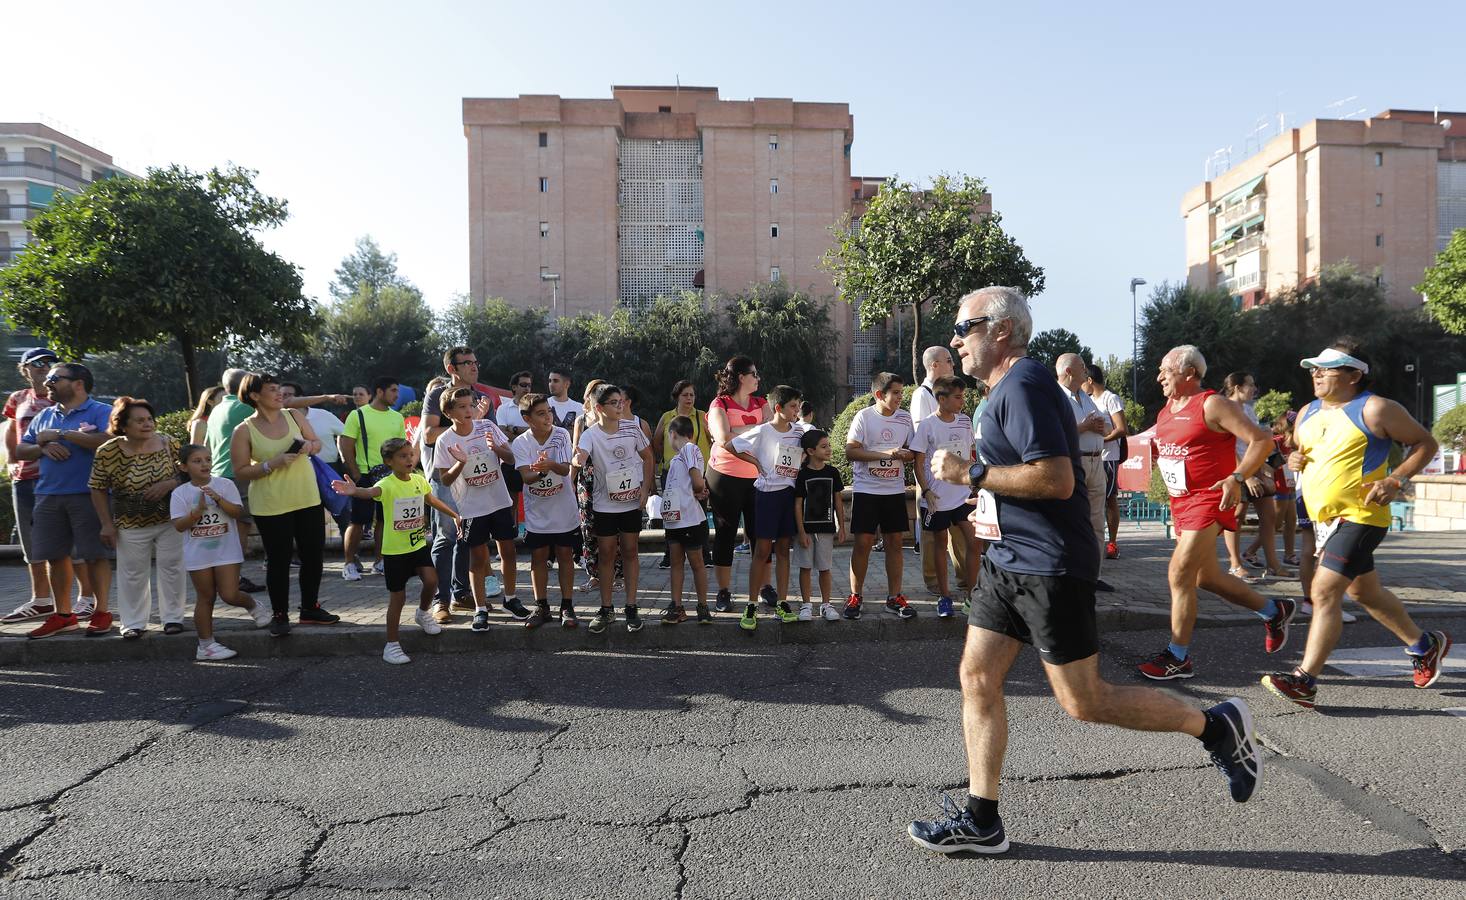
{"points": [[962, 328], [524, 384], [41, 363], [52, 379]]}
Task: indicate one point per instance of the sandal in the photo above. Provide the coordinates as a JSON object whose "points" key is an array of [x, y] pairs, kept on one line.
{"points": [[131, 634], [1242, 573], [173, 628]]}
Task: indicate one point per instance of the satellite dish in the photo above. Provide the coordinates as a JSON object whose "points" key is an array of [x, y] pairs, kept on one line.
{"points": [[1446, 124]]}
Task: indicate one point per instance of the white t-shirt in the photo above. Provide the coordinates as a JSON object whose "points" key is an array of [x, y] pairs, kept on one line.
{"points": [[1084, 408], [680, 508], [566, 412], [508, 414], [880, 433], [778, 453], [549, 501], [932, 434], [1109, 403], [326, 427], [618, 465], [479, 488], [212, 540], [923, 402]]}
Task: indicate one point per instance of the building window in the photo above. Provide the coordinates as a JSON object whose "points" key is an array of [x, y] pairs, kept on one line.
{"points": [[664, 109], [773, 273], [1379, 199], [773, 185], [774, 230], [544, 139], [544, 229], [544, 185], [1308, 244], [1379, 280], [1379, 159], [1379, 240], [773, 142]]}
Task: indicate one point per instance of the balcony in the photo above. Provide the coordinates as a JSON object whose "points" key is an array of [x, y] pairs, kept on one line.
{"points": [[1235, 215], [1239, 283], [18, 212], [1246, 245], [20, 169]]}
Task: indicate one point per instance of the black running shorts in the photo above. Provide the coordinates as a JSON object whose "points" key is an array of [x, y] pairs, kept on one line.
{"points": [[883, 513], [1054, 613], [1350, 549]]}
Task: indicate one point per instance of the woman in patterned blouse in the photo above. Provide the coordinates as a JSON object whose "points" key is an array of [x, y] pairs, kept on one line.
{"points": [[137, 471]]}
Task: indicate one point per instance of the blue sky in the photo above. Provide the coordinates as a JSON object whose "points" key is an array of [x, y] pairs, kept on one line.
{"points": [[1088, 121]]}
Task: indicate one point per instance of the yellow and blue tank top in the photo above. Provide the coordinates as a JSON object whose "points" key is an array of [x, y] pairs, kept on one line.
{"points": [[1344, 458]]}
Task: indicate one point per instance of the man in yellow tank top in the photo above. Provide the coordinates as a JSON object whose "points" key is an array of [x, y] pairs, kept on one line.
{"points": [[1343, 439]]}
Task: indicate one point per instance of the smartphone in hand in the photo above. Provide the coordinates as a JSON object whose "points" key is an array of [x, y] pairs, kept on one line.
{"points": [[295, 446]]}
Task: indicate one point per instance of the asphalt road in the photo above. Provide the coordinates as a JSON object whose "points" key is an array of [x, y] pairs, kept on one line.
{"points": [[748, 772]]}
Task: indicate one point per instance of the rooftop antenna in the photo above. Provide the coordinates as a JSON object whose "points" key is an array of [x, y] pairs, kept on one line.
{"points": [[1255, 137], [1219, 162]]}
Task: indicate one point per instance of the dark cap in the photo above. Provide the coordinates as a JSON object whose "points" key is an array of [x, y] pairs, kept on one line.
{"points": [[35, 354]]}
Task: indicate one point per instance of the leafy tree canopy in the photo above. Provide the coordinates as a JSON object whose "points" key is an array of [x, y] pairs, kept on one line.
{"points": [[1048, 346], [1444, 286], [367, 268]]}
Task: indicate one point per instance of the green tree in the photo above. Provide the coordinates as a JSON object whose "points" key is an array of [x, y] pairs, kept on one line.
{"points": [[1272, 405], [1450, 429], [1117, 375], [375, 332], [175, 255], [367, 267], [1177, 314], [152, 372], [1444, 285], [788, 334], [925, 249], [1048, 346], [505, 339]]}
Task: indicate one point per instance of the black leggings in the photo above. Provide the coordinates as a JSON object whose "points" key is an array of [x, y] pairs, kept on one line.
{"points": [[302, 532], [729, 496]]}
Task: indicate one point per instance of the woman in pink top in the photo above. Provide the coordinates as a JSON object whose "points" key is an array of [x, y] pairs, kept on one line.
{"points": [[730, 479]]}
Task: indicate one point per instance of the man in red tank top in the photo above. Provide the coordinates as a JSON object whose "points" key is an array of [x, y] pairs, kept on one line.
{"points": [[1196, 437]]}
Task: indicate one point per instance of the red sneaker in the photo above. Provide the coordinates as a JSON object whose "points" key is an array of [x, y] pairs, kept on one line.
{"points": [[1112, 550], [1428, 667], [852, 606], [1277, 626], [100, 624], [1292, 686], [27, 611], [55, 624], [899, 607], [1165, 667]]}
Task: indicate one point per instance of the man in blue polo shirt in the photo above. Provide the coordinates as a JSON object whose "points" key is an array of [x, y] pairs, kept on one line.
{"points": [[1037, 581], [65, 437]]}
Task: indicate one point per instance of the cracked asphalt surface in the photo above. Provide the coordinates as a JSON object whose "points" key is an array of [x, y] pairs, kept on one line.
{"points": [[756, 771]]}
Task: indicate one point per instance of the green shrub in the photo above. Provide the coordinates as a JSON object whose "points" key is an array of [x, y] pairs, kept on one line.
{"points": [[1272, 405], [1157, 492], [7, 506], [175, 424], [1450, 429], [411, 408]]}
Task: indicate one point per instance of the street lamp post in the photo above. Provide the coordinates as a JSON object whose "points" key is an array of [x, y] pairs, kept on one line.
{"points": [[1135, 341], [554, 280]]}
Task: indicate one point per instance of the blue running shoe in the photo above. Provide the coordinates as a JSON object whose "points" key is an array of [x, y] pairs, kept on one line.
{"points": [[958, 832], [944, 607], [1236, 754]]}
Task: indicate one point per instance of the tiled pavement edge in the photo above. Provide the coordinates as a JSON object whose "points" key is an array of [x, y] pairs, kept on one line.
{"points": [[1422, 568]]}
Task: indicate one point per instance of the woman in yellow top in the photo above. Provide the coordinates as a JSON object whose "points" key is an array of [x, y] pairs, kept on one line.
{"points": [[684, 400], [1343, 439], [272, 449]]}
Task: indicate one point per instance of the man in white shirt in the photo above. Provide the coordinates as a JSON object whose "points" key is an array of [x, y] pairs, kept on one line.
{"points": [[510, 419], [938, 362], [562, 407], [1071, 371], [1112, 408]]}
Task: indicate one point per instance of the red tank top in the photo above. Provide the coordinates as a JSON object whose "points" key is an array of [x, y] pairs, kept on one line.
{"points": [[1191, 456]]}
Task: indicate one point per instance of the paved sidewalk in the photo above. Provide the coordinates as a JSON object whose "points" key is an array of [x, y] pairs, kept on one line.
{"points": [[1422, 568]]}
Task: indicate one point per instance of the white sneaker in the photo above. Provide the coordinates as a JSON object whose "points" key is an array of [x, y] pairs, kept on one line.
{"points": [[31, 609], [351, 572], [393, 654], [829, 612], [379, 568], [1305, 611], [262, 613], [424, 620], [84, 606], [1348, 616], [213, 653], [492, 587], [806, 613]]}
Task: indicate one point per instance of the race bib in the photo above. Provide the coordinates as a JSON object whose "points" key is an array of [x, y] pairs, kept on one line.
{"points": [[623, 478], [884, 468], [211, 525], [671, 515], [985, 516], [957, 448], [1173, 473], [1322, 531], [786, 464], [409, 513], [547, 485], [481, 470]]}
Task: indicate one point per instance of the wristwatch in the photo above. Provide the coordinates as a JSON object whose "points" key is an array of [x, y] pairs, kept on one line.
{"points": [[976, 473], [1237, 477]]}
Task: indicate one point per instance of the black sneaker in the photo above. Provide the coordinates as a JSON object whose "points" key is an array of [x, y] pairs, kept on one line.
{"points": [[315, 615], [480, 620], [279, 626], [540, 616], [567, 616], [673, 615], [724, 601], [249, 587], [957, 832], [633, 619], [768, 595], [516, 609], [604, 617], [665, 563], [1236, 754], [704, 615]]}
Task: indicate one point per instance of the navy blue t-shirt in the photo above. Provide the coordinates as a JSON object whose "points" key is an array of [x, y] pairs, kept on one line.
{"points": [[1028, 418]]}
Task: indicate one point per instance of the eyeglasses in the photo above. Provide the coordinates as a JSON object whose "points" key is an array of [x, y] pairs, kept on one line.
{"points": [[52, 379], [41, 363], [617, 402], [962, 328], [524, 384], [466, 362]]}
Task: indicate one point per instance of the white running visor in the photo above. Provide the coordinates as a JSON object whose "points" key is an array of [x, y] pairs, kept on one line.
{"points": [[1334, 359]]}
